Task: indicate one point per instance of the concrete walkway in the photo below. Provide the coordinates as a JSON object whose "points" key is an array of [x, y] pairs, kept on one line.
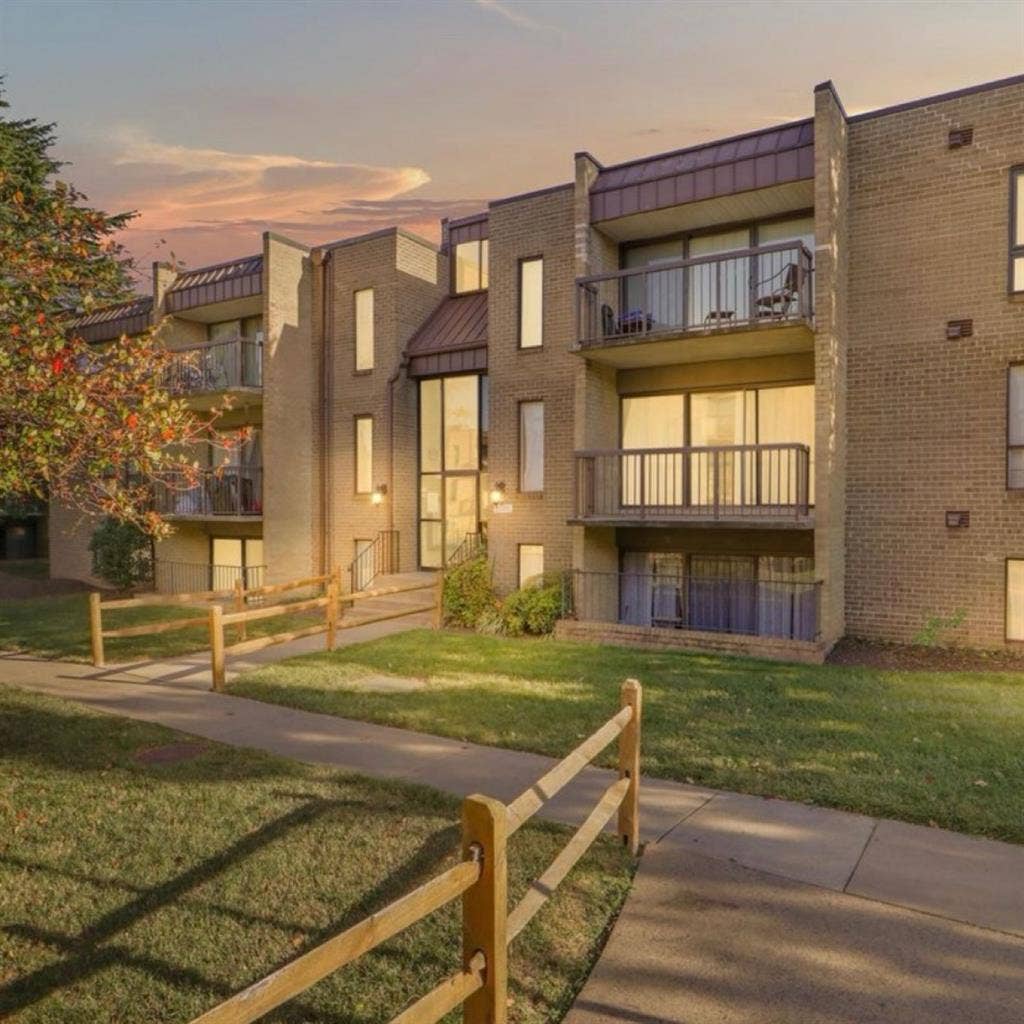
{"points": [[744, 909]]}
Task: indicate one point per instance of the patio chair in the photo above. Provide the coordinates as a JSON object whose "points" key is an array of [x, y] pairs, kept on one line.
{"points": [[779, 297]]}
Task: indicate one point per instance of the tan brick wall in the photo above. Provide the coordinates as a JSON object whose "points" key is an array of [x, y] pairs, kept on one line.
{"points": [[831, 262], [538, 225], [289, 416], [396, 266], [69, 534], [927, 416]]}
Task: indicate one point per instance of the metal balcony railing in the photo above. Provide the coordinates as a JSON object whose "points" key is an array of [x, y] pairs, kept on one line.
{"points": [[778, 607], [171, 577], [216, 366], [674, 484], [228, 491], [750, 287]]}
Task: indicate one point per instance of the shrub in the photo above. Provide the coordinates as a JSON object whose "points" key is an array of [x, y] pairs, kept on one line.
{"points": [[534, 609], [121, 554], [468, 593], [933, 633]]}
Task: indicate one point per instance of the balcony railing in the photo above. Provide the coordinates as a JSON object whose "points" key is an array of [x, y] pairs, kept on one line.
{"points": [[753, 481], [171, 577], [216, 366], [778, 607], [229, 491], [750, 287]]}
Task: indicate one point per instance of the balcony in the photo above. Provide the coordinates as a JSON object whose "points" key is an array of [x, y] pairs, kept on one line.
{"points": [[218, 367], [747, 303], [759, 485], [231, 492]]}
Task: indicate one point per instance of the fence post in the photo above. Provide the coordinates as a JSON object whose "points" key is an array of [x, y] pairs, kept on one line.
{"points": [[485, 908], [217, 647], [96, 629], [331, 611], [240, 604], [629, 767], [439, 600]]}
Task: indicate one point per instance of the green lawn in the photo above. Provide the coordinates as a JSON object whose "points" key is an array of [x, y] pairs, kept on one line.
{"points": [[135, 891], [29, 568], [58, 627], [917, 746]]}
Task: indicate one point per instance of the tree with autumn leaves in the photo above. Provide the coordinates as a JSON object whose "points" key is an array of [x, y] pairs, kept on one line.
{"points": [[90, 426]]}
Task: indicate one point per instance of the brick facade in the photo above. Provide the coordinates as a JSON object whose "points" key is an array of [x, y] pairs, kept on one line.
{"points": [[908, 234]]}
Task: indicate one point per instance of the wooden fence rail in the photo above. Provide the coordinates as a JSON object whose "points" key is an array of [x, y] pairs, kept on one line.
{"points": [[238, 614], [481, 879]]}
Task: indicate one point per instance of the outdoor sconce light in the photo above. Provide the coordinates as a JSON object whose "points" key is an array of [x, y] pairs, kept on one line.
{"points": [[377, 497], [498, 493]]}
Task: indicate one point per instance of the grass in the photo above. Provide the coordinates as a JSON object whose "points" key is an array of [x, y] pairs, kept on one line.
{"points": [[133, 891], [29, 568], [927, 747], [58, 627]]}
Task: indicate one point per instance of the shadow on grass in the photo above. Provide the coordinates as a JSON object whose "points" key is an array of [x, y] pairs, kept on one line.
{"points": [[94, 948]]}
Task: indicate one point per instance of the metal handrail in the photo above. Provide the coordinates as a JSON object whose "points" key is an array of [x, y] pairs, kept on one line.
{"points": [[215, 366], [379, 558]]}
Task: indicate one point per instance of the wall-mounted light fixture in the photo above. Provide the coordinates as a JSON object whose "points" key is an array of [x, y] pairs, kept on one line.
{"points": [[377, 497], [498, 493]]}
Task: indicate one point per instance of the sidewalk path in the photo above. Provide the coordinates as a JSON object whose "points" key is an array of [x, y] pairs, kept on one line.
{"points": [[744, 909]]}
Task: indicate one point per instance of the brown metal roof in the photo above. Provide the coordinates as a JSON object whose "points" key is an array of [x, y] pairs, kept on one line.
{"points": [[236, 279], [113, 321], [755, 160], [453, 338]]}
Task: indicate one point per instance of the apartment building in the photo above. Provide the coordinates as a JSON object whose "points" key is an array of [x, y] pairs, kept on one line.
{"points": [[749, 395]]}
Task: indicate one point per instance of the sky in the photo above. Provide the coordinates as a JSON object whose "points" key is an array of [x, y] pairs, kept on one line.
{"points": [[219, 120]]}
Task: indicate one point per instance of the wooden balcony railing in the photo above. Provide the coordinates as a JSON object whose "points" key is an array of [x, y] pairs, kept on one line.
{"points": [[678, 484], [228, 491], [216, 366], [750, 287]]}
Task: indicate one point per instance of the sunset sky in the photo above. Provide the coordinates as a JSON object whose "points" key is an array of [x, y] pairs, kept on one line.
{"points": [[219, 120]]}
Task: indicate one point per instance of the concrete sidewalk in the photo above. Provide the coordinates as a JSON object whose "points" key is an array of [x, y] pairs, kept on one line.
{"points": [[744, 909]]}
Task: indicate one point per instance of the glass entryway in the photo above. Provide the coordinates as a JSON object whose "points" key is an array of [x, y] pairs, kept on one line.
{"points": [[453, 420]]}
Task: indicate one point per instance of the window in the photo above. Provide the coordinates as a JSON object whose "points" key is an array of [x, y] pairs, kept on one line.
{"points": [[364, 454], [1015, 428], [471, 266], [1015, 599], [1017, 229], [531, 303], [364, 329], [234, 558], [531, 564], [531, 446]]}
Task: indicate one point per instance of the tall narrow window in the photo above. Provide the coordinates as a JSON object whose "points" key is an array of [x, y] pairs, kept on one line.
{"points": [[364, 329], [364, 454], [531, 446], [1017, 229], [1015, 599], [471, 266], [531, 564], [1015, 428], [531, 303]]}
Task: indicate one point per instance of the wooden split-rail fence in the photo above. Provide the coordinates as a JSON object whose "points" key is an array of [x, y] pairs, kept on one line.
{"points": [[212, 604], [480, 987]]}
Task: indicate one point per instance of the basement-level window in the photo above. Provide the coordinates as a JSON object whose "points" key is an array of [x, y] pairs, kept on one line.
{"points": [[1017, 230], [1015, 599], [531, 564]]}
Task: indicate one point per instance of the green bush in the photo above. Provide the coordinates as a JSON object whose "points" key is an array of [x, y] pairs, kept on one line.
{"points": [[534, 609], [121, 554], [469, 593]]}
